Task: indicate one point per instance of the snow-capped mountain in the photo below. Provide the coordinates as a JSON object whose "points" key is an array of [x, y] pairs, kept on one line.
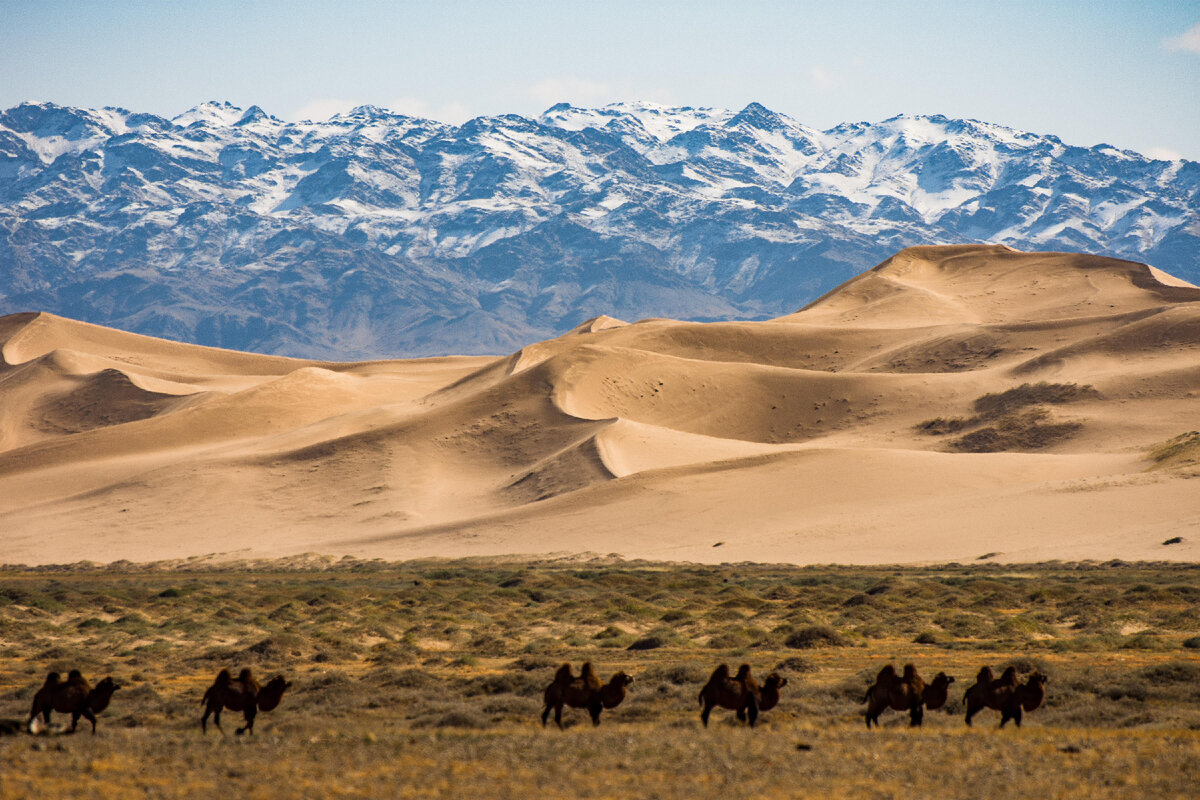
{"points": [[372, 233]]}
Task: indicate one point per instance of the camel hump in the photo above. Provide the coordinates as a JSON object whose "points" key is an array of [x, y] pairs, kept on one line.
{"points": [[985, 675], [588, 674], [564, 674], [720, 673], [1009, 675], [223, 678], [74, 676], [886, 674], [910, 672], [245, 675], [743, 672], [53, 679]]}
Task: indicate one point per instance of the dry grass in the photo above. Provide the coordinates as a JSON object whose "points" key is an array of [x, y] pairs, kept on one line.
{"points": [[425, 679], [1179, 452]]}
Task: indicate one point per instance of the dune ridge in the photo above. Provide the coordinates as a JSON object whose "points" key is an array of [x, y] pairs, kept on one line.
{"points": [[845, 432]]}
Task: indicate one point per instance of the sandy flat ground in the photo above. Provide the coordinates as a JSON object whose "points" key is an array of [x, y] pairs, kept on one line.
{"points": [[804, 439]]}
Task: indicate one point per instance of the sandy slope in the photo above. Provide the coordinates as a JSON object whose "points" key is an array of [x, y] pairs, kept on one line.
{"points": [[797, 439]]}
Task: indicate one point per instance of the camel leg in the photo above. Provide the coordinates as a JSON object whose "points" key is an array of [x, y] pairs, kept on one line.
{"points": [[972, 711], [74, 720], [558, 716], [752, 710], [1011, 713], [704, 714], [545, 715], [595, 710], [87, 713], [250, 712], [916, 715], [217, 720]]}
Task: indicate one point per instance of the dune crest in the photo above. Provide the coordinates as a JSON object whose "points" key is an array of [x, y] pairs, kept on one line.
{"points": [[949, 403]]}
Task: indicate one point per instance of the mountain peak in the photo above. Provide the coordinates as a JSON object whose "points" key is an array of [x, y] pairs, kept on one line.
{"points": [[214, 112], [756, 115]]}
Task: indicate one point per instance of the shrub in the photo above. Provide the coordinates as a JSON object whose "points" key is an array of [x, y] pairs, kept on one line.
{"points": [[815, 636], [648, 643]]}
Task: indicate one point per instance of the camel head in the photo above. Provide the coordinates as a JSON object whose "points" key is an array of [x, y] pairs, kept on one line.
{"points": [[100, 696], [774, 681], [270, 695]]}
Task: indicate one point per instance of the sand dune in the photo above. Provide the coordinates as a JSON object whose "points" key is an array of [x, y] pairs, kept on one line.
{"points": [[950, 404]]}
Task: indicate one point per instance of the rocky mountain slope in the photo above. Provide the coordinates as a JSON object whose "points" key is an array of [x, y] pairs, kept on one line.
{"points": [[372, 234]]}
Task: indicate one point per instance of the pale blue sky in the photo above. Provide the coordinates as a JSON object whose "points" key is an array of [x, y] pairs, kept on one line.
{"points": [[1126, 73]]}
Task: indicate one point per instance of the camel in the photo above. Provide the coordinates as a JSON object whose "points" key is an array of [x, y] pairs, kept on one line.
{"points": [[243, 694], [75, 696], [584, 691], [741, 693], [989, 691], [937, 692], [770, 691], [613, 692], [900, 693], [1028, 696]]}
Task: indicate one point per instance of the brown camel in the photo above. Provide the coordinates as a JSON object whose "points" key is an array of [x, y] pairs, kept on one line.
{"points": [[899, 693], [770, 691], [584, 691], [243, 694], [937, 692], [741, 693], [75, 696], [1028, 696], [613, 692], [989, 691]]}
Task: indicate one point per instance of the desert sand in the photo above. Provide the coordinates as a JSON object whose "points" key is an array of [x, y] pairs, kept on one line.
{"points": [[805, 439]]}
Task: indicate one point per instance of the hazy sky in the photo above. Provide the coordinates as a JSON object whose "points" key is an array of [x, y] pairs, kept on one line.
{"points": [[1126, 73]]}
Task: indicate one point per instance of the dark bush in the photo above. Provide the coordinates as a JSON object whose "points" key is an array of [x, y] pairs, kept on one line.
{"points": [[648, 643]]}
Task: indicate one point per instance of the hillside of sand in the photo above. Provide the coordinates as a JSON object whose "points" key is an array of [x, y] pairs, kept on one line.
{"points": [[951, 404]]}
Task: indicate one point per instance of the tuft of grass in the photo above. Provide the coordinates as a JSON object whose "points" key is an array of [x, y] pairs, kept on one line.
{"points": [[1183, 450]]}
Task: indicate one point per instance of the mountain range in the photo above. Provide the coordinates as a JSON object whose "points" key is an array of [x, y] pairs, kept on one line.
{"points": [[373, 234]]}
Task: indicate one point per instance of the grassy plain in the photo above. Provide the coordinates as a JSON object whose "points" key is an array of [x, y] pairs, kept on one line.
{"points": [[424, 679]]}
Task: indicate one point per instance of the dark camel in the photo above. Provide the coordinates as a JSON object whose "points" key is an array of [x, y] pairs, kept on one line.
{"points": [[989, 691], [741, 693], [899, 693], [937, 692], [243, 694], [1026, 697], [584, 691], [75, 696]]}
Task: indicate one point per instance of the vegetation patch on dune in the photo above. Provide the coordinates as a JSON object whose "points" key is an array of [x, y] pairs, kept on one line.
{"points": [[1181, 451], [1015, 419]]}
